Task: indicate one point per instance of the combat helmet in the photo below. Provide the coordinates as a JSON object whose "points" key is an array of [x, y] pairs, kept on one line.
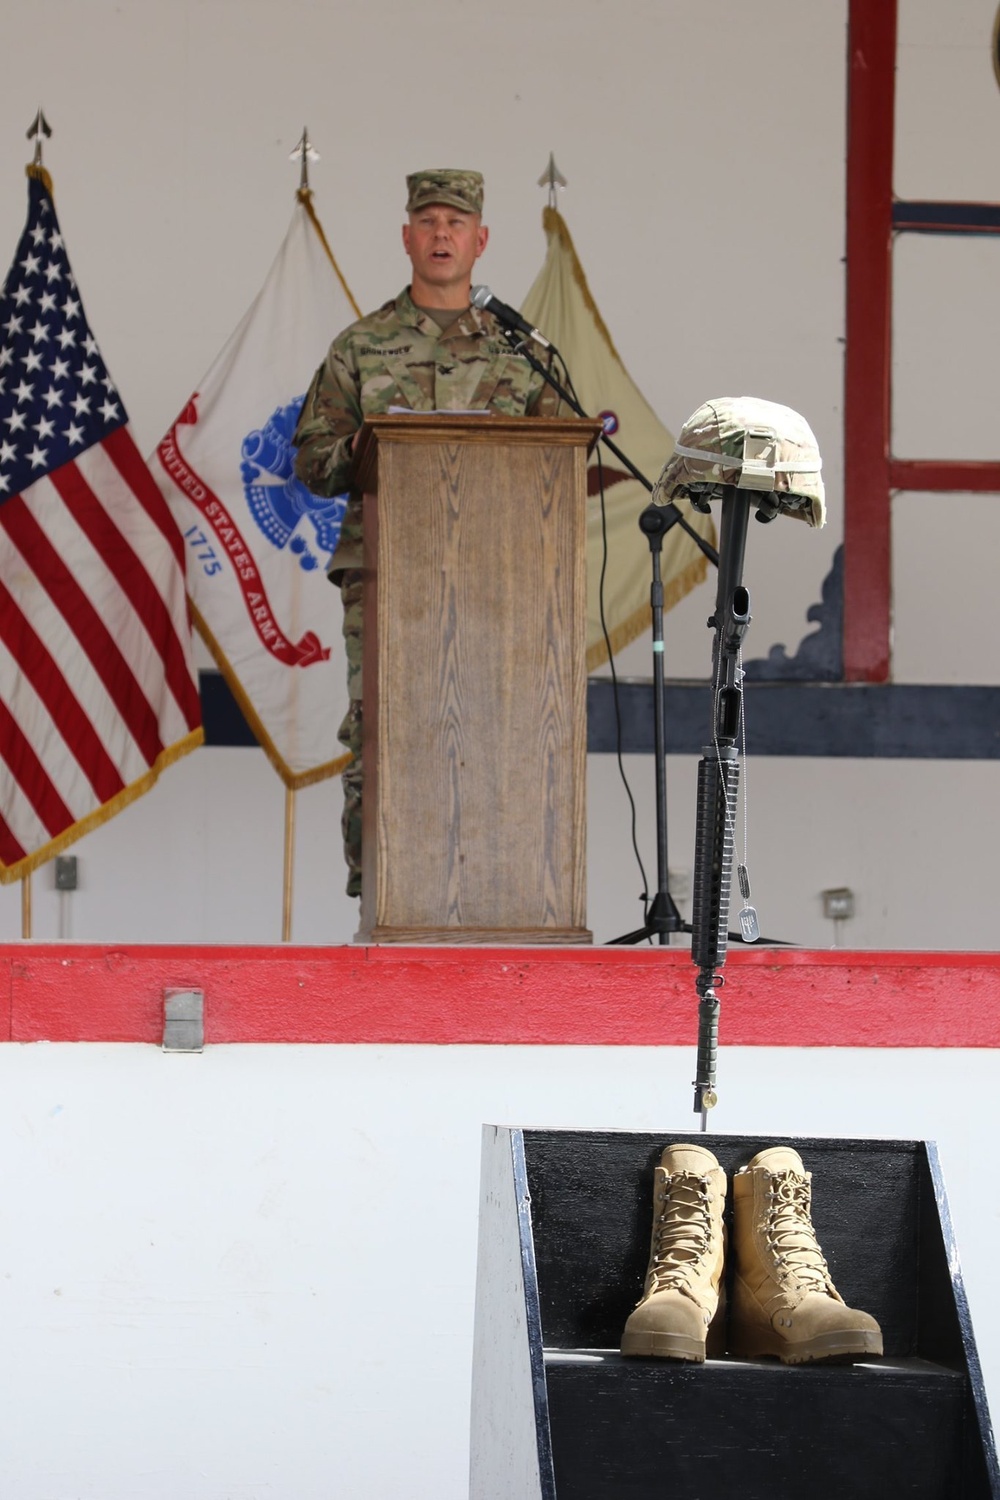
{"points": [[753, 444]]}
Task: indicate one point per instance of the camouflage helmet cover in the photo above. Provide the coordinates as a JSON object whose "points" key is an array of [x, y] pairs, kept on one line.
{"points": [[457, 189], [754, 445]]}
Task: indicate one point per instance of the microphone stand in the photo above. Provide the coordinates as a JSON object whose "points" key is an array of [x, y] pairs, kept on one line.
{"points": [[663, 917], [718, 769]]}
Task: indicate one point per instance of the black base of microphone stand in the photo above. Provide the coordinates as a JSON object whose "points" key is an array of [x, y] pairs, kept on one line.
{"points": [[662, 919]]}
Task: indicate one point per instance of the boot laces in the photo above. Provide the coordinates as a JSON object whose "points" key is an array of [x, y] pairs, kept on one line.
{"points": [[683, 1232], [790, 1232]]}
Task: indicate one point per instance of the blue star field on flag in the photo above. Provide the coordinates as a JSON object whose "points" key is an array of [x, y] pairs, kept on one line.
{"points": [[56, 396]]}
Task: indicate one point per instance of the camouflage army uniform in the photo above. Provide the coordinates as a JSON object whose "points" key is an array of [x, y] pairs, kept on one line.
{"points": [[397, 356]]}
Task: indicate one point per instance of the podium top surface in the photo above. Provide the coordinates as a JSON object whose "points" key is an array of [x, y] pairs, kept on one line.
{"points": [[465, 427]]}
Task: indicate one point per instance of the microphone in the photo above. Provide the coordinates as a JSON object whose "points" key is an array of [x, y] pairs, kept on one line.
{"points": [[484, 299]]}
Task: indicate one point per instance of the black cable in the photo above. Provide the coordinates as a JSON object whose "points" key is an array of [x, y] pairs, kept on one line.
{"points": [[568, 394], [644, 897]]}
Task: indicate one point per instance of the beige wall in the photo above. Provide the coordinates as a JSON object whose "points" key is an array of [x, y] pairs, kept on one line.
{"points": [[704, 147]]}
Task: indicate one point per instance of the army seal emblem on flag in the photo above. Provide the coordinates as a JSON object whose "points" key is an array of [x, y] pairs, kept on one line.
{"points": [[278, 501]]}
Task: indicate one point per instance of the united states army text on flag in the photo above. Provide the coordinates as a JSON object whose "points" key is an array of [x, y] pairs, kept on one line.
{"points": [[561, 306], [258, 542], [97, 689]]}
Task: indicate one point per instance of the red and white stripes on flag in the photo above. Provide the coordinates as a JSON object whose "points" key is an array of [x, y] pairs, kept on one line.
{"points": [[97, 687]]}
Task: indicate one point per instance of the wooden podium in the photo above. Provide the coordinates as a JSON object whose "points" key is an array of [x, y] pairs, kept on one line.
{"points": [[474, 675]]}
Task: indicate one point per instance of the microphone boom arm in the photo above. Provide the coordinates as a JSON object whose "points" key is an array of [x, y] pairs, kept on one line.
{"points": [[676, 517]]}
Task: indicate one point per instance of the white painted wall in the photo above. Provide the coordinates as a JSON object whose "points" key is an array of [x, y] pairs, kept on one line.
{"points": [[923, 877], [251, 1273]]}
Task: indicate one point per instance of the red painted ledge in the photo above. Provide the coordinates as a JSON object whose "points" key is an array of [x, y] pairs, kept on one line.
{"points": [[514, 996], [957, 476]]}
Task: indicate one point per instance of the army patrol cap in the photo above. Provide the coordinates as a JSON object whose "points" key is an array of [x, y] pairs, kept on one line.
{"points": [[754, 445], [457, 189]]}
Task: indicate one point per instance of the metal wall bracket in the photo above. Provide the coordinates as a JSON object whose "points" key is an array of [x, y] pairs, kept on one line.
{"points": [[183, 1020]]}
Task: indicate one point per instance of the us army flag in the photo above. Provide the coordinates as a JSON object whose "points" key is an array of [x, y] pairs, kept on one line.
{"points": [[560, 304], [258, 543]]}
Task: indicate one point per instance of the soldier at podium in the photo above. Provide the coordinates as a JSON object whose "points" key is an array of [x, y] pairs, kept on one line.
{"points": [[426, 350]]}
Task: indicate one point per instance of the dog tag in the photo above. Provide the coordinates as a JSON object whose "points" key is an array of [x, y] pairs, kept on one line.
{"points": [[749, 926]]}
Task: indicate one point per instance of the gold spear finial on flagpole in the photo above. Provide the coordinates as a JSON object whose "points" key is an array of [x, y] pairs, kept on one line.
{"points": [[553, 179], [38, 128], [304, 153]]}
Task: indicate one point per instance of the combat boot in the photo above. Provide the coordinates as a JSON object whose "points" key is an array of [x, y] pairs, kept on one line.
{"points": [[680, 1311], [783, 1300]]}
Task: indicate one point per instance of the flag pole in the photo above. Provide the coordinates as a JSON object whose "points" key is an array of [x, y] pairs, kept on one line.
{"points": [[304, 153], [286, 901], [38, 130], [553, 179]]}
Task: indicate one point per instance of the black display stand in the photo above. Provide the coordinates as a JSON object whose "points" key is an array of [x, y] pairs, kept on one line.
{"points": [[557, 1414]]}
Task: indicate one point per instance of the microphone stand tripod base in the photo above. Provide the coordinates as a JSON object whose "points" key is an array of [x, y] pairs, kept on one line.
{"points": [[662, 919]]}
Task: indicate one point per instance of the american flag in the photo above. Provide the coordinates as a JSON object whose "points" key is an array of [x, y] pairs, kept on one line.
{"points": [[97, 687]]}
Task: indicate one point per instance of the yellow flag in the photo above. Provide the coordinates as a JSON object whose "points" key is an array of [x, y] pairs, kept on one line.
{"points": [[561, 306]]}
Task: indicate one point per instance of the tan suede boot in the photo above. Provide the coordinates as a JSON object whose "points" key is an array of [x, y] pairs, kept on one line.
{"points": [[680, 1302], [784, 1301]]}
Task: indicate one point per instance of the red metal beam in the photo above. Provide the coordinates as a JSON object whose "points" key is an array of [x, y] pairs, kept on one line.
{"points": [[954, 475], [603, 997], [867, 518]]}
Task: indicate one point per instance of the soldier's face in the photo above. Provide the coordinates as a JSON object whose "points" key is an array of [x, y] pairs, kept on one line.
{"points": [[443, 245]]}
